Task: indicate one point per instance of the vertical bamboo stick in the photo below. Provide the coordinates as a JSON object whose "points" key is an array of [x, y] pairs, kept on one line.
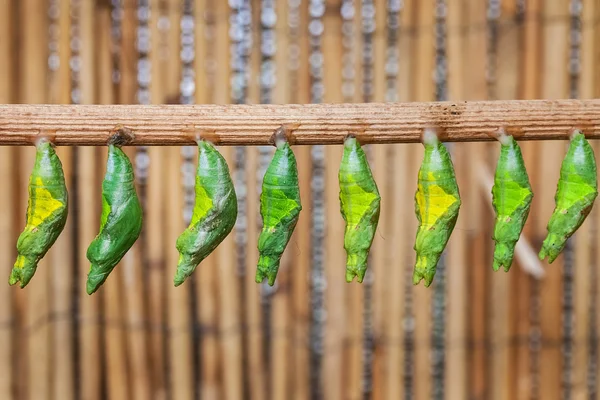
{"points": [[457, 272], [422, 295], [382, 267], [301, 265], [7, 252], [333, 363], [400, 241], [280, 324], [585, 256], [180, 371], [476, 89], [115, 353], [355, 296], [592, 14], [521, 377], [255, 366], [88, 217], [584, 245], [210, 350], [181, 377], [229, 322], [33, 23], [131, 266], [62, 384], [555, 85], [255, 369], [507, 74], [158, 276]]}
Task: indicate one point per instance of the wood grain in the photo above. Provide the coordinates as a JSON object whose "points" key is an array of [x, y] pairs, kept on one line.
{"points": [[237, 125]]}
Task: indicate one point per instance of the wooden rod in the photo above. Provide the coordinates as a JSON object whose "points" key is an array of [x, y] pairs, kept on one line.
{"points": [[247, 125]]}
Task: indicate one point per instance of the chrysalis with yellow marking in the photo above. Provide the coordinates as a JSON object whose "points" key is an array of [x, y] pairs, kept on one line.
{"points": [[121, 219], [279, 207], [46, 213], [215, 211], [437, 202], [360, 206], [577, 189], [511, 198]]}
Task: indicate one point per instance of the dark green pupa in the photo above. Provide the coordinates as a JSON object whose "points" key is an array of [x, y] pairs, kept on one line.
{"points": [[279, 207], [214, 215], [121, 219]]}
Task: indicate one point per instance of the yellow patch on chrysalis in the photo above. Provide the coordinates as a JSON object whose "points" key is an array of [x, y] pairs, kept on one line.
{"points": [[203, 205], [434, 205], [573, 193], [281, 206], [515, 199], [105, 213], [20, 262], [45, 205], [360, 204]]}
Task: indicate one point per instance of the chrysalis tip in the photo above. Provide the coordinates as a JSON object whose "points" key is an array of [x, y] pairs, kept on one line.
{"points": [[502, 137], [574, 133], [40, 140], [280, 137], [121, 136], [44, 136], [430, 136], [349, 140]]}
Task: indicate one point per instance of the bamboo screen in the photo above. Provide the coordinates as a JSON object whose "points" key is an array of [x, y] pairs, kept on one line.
{"points": [[474, 334]]}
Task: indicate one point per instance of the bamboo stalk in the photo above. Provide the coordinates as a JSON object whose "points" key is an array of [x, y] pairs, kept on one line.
{"points": [[7, 251], [181, 359], [529, 82], [380, 264], [131, 267], [255, 371], [355, 294], [422, 297], [229, 306], [208, 307], [300, 282], [280, 321], [456, 383], [63, 385], [335, 295], [230, 125], [115, 350], [507, 77], [474, 231], [158, 278], [33, 23], [399, 243], [554, 85], [585, 256]]}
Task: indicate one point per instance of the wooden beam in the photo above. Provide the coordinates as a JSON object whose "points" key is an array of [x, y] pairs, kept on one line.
{"points": [[308, 124]]}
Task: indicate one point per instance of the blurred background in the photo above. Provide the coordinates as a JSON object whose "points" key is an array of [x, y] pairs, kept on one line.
{"points": [[474, 334]]}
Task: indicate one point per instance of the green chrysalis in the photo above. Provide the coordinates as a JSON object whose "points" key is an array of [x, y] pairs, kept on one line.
{"points": [[279, 207], [360, 205], [215, 211], [121, 220], [437, 202], [577, 189], [511, 198], [46, 213]]}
